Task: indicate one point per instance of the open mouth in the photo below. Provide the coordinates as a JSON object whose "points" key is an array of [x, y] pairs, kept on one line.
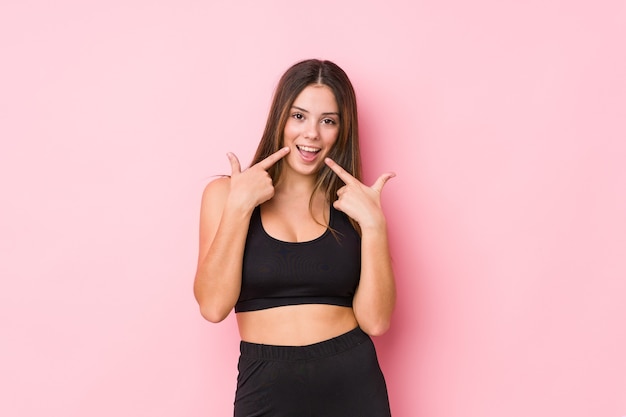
{"points": [[308, 149], [308, 153]]}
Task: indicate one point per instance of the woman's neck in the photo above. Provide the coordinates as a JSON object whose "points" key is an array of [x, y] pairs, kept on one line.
{"points": [[295, 186]]}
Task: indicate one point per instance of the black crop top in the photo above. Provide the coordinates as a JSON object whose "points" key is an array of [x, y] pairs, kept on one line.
{"points": [[325, 270]]}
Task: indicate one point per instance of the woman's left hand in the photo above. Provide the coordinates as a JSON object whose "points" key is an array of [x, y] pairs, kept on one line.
{"points": [[357, 200]]}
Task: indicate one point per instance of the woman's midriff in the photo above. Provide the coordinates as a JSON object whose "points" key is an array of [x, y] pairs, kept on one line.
{"points": [[296, 325]]}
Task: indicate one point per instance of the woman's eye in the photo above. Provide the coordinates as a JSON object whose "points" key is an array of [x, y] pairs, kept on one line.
{"points": [[328, 121], [298, 116]]}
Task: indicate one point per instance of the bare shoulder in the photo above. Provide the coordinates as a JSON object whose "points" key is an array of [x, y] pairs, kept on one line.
{"points": [[216, 192], [213, 202]]}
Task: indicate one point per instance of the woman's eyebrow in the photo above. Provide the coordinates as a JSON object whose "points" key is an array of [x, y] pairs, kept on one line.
{"points": [[323, 114]]}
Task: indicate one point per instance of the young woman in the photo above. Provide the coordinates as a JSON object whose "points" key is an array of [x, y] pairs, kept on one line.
{"points": [[297, 245]]}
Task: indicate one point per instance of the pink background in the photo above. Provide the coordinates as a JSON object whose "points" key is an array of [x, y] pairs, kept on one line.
{"points": [[506, 125]]}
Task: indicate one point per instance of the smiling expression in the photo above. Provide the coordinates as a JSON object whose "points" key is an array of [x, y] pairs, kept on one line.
{"points": [[311, 129]]}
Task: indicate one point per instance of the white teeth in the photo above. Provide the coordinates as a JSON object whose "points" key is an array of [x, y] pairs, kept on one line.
{"points": [[308, 149]]}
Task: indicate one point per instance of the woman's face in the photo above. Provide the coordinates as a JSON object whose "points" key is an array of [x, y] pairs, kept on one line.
{"points": [[312, 129]]}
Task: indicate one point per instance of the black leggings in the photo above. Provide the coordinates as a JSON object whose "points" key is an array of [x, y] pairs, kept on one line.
{"points": [[337, 377]]}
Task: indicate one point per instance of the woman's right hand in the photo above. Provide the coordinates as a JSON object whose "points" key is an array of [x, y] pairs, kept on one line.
{"points": [[252, 186]]}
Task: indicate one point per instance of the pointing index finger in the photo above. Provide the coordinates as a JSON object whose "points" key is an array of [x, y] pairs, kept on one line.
{"points": [[337, 169], [273, 158]]}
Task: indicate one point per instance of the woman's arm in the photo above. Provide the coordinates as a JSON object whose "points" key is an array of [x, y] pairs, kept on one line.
{"points": [[375, 297], [223, 230], [227, 204]]}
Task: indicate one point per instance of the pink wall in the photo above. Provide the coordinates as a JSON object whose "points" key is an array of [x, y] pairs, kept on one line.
{"points": [[506, 125]]}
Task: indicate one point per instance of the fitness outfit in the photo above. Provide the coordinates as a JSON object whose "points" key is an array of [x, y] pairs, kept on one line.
{"points": [[339, 377]]}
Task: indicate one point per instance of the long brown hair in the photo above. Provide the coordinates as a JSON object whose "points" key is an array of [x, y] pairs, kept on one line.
{"points": [[346, 149]]}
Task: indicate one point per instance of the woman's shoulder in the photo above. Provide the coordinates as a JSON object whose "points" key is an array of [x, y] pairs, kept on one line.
{"points": [[218, 185], [216, 191]]}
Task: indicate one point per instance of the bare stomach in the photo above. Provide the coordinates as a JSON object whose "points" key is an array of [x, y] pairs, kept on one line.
{"points": [[297, 325]]}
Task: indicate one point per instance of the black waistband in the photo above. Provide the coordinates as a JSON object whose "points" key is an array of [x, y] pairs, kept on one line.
{"points": [[325, 348]]}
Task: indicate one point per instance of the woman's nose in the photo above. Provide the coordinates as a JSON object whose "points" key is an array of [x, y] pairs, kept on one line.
{"points": [[311, 131]]}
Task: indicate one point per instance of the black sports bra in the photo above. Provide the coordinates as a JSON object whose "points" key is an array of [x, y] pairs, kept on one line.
{"points": [[325, 270]]}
